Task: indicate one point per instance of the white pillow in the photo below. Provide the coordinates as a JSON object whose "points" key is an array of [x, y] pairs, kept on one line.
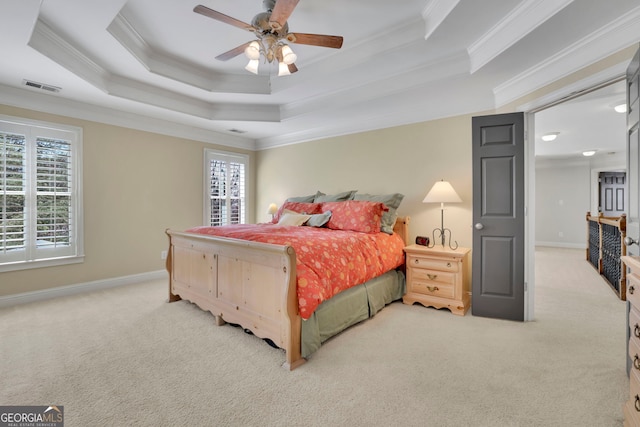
{"points": [[293, 219]]}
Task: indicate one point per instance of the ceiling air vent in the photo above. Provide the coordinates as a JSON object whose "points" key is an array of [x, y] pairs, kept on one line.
{"points": [[42, 86]]}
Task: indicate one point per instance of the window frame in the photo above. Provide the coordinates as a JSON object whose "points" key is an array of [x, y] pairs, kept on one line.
{"points": [[227, 156], [35, 257]]}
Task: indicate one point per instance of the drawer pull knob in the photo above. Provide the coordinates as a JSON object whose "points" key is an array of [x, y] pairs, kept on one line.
{"points": [[449, 264], [636, 330], [432, 276], [417, 261], [631, 289], [637, 403], [435, 288], [636, 362]]}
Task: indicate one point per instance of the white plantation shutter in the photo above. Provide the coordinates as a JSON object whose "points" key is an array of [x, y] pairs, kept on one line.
{"points": [[12, 181], [225, 188], [40, 197]]}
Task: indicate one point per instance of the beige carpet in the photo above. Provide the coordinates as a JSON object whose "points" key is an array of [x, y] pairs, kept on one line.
{"points": [[124, 357]]}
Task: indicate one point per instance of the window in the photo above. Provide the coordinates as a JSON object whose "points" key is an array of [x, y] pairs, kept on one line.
{"points": [[225, 188], [40, 194]]}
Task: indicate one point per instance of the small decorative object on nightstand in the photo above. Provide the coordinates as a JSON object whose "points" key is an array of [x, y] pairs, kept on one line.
{"points": [[438, 277]]}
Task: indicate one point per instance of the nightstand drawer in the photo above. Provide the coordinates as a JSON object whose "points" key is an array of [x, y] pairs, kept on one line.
{"points": [[633, 289], [634, 325], [438, 289], [434, 264], [432, 276], [634, 375]]}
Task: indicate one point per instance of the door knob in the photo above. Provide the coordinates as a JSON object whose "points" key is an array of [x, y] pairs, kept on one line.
{"points": [[479, 226], [628, 241]]}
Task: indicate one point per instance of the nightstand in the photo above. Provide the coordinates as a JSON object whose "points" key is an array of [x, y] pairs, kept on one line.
{"points": [[438, 277]]}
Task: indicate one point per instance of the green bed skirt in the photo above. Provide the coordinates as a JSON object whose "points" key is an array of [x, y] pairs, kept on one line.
{"points": [[350, 307]]}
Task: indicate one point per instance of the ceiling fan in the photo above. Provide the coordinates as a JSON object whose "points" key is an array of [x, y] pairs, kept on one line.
{"points": [[272, 32]]}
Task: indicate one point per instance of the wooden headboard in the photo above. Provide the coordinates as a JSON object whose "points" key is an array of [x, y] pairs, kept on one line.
{"points": [[402, 228]]}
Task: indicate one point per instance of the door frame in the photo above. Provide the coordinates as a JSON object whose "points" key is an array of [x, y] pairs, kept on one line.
{"points": [[529, 215], [600, 79]]}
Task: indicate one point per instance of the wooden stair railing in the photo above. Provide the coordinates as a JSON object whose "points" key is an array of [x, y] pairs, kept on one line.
{"points": [[605, 246]]}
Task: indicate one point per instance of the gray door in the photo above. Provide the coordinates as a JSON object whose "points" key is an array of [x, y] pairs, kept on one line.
{"points": [[498, 216], [612, 189], [633, 152], [633, 165]]}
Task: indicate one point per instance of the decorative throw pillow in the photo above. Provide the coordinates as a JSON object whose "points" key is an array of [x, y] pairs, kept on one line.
{"points": [[392, 201], [293, 219], [355, 215], [319, 220], [299, 207]]}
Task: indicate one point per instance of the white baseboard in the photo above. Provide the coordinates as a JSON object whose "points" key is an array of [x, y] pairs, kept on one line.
{"points": [[562, 245], [63, 291]]}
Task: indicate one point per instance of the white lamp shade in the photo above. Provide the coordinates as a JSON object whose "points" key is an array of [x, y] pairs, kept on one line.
{"points": [[288, 57], [252, 66], [442, 192], [273, 208], [283, 69], [253, 50]]}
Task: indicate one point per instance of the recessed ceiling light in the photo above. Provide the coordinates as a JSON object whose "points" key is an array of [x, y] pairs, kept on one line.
{"points": [[550, 136], [589, 153], [621, 108]]}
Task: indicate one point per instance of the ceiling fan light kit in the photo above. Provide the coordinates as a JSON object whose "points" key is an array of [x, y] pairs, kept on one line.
{"points": [[271, 29]]}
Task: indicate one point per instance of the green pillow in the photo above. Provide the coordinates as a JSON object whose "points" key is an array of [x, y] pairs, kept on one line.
{"points": [[340, 197], [318, 220], [392, 201], [303, 199]]}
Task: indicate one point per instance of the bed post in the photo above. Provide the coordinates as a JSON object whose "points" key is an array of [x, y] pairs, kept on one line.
{"points": [[169, 267], [292, 326]]}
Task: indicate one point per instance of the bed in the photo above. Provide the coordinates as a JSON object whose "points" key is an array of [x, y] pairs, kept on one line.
{"points": [[258, 283]]}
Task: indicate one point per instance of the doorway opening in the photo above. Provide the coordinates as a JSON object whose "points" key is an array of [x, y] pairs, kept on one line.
{"points": [[568, 184]]}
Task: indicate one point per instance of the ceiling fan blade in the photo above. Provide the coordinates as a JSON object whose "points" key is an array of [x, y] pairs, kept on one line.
{"points": [[203, 10], [281, 12], [233, 52], [292, 68], [316, 40]]}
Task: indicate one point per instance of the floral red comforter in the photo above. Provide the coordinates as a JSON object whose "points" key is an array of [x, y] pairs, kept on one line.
{"points": [[327, 261]]}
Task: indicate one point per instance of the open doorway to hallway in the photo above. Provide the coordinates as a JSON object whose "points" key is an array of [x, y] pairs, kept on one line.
{"points": [[567, 183]]}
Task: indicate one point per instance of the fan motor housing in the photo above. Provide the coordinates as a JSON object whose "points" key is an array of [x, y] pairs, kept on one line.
{"points": [[261, 21]]}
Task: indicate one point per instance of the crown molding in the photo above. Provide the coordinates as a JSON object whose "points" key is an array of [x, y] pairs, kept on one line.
{"points": [[613, 37], [362, 90], [522, 20], [608, 75], [123, 31], [50, 44], [54, 104], [417, 107], [434, 14]]}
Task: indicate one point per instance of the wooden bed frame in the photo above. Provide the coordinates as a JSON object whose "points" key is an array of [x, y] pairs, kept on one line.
{"points": [[247, 283]]}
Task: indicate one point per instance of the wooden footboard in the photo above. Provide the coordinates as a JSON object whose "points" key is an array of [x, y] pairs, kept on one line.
{"points": [[247, 283]]}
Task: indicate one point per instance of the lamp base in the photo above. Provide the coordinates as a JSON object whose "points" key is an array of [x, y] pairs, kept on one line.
{"points": [[442, 237]]}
